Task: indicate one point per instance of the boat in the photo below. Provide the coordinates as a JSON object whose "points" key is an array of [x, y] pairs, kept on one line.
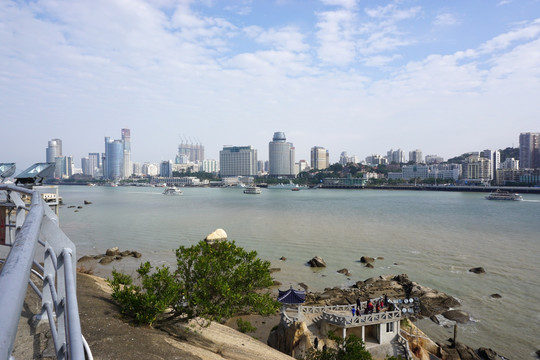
{"points": [[172, 190], [289, 186], [504, 195], [252, 190]]}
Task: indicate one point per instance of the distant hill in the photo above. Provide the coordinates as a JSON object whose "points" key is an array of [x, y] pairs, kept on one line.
{"points": [[509, 152]]}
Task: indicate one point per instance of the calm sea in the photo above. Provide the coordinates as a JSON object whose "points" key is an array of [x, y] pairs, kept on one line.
{"points": [[434, 237]]}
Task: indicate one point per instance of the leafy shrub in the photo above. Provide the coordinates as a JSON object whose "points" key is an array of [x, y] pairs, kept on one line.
{"points": [[245, 326], [159, 290]]}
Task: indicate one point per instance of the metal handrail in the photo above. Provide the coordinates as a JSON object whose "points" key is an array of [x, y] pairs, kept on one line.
{"points": [[14, 277], [58, 292]]}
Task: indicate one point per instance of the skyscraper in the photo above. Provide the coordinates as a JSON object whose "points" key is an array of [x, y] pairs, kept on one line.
{"points": [[53, 150], [281, 156], [113, 163], [415, 156], [126, 139], [320, 158], [529, 150], [238, 161], [193, 152]]}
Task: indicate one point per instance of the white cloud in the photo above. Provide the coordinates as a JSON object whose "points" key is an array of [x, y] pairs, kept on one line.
{"points": [[336, 37], [445, 19], [347, 4], [503, 41], [287, 38]]}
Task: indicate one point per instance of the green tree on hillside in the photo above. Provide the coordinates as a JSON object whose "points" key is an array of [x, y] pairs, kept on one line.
{"points": [[221, 280], [212, 281]]}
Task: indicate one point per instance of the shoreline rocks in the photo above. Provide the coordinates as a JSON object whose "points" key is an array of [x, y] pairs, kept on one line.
{"points": [[478, 270], [317, 261], [111, 255]]}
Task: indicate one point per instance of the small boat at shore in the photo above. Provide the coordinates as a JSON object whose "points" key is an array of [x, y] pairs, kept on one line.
{"points": [[173, 190], [504, 195], [252, 190]]}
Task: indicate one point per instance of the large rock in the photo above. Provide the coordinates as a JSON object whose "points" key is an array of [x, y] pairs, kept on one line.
{"points": [[459, 316], [292, 340], [317, 261], [344, 272], [217, 235], [112, 251], [366, 259], [478, 270]]}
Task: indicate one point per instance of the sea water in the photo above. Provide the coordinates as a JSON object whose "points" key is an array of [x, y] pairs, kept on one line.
{"points": [[434, 237]]}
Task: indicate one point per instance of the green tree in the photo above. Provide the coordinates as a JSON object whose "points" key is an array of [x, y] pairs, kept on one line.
{"points": [[157, 292], [221, 280], [350, 348]]}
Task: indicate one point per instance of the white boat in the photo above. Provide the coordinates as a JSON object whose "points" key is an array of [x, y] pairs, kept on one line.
{"points": [[504, 195], [289, 186], [252, 190], [172, 190]]}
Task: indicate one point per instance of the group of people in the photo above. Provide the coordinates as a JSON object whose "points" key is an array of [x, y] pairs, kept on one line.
{"points": [[370, 306]]}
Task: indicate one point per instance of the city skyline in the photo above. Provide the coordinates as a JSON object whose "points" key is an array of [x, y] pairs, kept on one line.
{"points": [[355, 76]]}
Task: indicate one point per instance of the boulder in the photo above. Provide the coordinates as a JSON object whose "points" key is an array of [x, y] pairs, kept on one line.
{"points": [[86, 202], [136, 254], [458, 316], [79, 207], [85, 258], [317, 261], [368, 265], [303, 286], [344, 272], [283, 258], [217, 235], [380, 258], [112, 251], [489, 354], [106, 260], [495, 296], [125, 253], [366, 259], [478, 270]]}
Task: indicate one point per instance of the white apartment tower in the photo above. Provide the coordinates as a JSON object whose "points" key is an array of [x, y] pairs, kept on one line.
{"points": [[281, 156], [238, 161], [320, 158]]}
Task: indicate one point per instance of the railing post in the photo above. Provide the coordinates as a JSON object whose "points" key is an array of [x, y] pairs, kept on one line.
{"points": [[14, 277]]}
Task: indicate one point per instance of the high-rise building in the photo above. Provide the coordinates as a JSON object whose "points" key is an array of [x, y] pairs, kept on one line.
{"points": [[53, 150], [95, 164], [529, 150], [126, 139], [476, 168], [238, 161], [415, 156], [395, 156], [192, 152], [495, 158], [165, 169], [113, 163], [280, 156], [320, 158]]}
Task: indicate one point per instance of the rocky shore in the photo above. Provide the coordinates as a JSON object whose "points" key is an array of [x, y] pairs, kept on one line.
{"points": [[436, 305]]}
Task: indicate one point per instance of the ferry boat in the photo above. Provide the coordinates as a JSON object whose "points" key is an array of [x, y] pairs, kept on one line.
{"points": [[173, 190], [504, 195], [252, 190]]}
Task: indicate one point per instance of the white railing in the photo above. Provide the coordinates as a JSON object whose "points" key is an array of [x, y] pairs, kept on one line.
{"points": [[33, 226]]}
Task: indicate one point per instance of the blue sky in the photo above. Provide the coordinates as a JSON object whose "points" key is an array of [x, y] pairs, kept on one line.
{"points": [[361, 76]]}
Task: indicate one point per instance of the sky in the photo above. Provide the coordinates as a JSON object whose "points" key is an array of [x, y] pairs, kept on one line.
{"points": [[362, 76]]}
